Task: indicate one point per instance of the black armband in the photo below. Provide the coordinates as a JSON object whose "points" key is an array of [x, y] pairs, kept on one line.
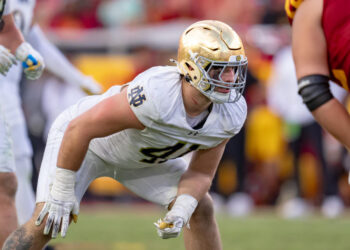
{"points": [[314, 89]]}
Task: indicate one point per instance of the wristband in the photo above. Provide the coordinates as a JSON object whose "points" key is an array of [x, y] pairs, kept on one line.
{"points": [[184, 205], [63, 185]]}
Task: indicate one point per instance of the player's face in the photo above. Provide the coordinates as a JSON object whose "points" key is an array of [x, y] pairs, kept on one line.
{"points": [[225, 74]]}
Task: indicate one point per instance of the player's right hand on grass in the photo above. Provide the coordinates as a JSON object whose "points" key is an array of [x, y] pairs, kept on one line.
{"points": [[178, 216], [6, 60], [169, 227], [60, 204]]}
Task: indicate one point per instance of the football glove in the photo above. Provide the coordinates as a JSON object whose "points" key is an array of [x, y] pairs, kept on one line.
{"points": [[169, 227], [6, 60], [60, 204], [177, 217], [32, 62], [58, 211]]}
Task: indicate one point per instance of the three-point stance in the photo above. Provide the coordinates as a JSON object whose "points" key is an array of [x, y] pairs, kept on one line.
{"points": [[136, 133]]}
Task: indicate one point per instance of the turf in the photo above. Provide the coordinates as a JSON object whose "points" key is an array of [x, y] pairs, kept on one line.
{"points": [[131, 228]]}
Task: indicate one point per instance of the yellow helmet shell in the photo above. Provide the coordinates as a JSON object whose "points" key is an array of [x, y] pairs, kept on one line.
{"points": [[213, 40]]}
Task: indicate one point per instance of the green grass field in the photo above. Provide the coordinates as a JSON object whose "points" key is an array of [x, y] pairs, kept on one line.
{"points": [[131, 228]]}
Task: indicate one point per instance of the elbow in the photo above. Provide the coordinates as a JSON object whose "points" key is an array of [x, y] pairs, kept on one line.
{"points": [[76, 129]]}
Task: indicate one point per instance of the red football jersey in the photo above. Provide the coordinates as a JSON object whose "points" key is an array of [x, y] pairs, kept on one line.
{"points": [[336, 27]]}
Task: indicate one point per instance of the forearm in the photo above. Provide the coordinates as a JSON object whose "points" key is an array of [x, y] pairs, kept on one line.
{"points": [[196, 181], [195, 184], [10, 36], [73, 148], [333, 117]]}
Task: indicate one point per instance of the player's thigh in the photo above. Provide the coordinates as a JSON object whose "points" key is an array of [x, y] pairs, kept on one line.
{"points": [[157, 184]]}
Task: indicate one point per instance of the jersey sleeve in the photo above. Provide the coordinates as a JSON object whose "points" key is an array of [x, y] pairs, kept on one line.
{"points": [[142, 100], [238, 117]]}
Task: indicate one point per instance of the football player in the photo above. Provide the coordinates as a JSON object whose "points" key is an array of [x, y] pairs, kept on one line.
{"points": [[321, 51], [137, 133], [12, 48], [18, 15]]}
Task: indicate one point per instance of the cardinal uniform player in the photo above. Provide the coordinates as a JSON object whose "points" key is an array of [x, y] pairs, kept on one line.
{"points": [[321, 45]]}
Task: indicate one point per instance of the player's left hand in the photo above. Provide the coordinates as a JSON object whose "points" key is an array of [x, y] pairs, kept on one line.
{"points": [[169, 227], [58, 211], [32, 62], [60, 204]]}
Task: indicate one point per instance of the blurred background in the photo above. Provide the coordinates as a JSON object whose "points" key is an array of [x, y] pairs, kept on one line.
{"points": [[281, 160]]}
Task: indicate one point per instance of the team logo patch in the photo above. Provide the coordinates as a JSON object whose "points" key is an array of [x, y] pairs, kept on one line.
{"points": [[136, 96]]}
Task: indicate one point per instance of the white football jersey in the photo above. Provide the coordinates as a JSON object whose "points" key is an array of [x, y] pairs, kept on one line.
{"points": [[22, 11], [155, 97]]}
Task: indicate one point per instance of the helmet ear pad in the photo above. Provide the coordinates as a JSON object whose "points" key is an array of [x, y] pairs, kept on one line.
{"points": [[193, 75], [192, 71]]}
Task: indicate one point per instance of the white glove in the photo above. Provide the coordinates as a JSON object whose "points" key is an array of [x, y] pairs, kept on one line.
{"points": [[177, 217], [60, 205], [169, 227], [57, 210], [32, 62], [90, 86], [6, 60]]}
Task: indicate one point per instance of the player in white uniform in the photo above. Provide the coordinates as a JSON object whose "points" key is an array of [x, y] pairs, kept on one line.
{"points": [[12, 41], [136, 133], [20, 13]]}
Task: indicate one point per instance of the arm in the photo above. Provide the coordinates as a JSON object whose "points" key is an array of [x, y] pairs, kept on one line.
{"points": [[310, 57], [10, 36], [105, 118], [197, 180], [58, 64], [10, 39], [193, 185]]}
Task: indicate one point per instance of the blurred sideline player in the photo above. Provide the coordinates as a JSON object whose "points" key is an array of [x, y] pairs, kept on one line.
{"points": [[321, 51], [12, 41], [21, 13], [137, 133]]}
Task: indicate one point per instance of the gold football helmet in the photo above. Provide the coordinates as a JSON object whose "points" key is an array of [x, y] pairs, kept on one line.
{"points": [[213, 45]]}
